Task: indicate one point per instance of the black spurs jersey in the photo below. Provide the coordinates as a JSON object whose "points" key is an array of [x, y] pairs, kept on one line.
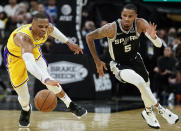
{"points": [[125, 44]]}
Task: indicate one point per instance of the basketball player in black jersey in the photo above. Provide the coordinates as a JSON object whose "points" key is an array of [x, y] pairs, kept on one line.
{"points": [[127, 64]]}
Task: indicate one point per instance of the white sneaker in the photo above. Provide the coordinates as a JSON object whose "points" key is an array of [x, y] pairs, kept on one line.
{"points": [[150, 119], [168, 115]]}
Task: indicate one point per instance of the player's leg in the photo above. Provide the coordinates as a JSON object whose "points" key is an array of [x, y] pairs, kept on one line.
{"points": [[72, 106], [170, 117], [167, 114], [19, 77], [24, 100], [60, 93], [149, 100], [130, 76]]}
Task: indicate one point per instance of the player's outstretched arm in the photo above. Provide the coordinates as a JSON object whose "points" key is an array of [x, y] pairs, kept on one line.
{"points": [[107, 30], [150, 31], [57, 34], [26, 46]]}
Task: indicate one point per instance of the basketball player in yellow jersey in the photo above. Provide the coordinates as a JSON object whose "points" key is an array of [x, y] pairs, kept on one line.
{"points": [[23, 54]]}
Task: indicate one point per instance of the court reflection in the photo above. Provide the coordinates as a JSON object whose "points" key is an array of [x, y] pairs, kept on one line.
{"points": [[101, 120], [68, 122], [63, 124], [23, 129]]}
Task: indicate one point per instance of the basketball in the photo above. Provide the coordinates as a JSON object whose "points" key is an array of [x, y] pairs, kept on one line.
{"points": [[45, 101]]}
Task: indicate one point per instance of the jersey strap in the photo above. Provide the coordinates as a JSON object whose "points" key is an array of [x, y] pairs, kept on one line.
{"points": [[118, 27]]}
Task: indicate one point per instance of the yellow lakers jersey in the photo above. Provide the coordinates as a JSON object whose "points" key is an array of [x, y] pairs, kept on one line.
{"points": [[26, 29]]}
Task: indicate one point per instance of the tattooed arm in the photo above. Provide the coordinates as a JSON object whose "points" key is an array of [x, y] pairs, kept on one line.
{"points": [[107, 30]]}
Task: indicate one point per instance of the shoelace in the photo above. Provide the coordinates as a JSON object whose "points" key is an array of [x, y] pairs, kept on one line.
{"points": [[160, 110], [149, 113]]}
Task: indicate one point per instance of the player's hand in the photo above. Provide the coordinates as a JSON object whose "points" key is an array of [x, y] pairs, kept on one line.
{"points": [[75, 48], [100, 65], [151, 30], [50, 82]]}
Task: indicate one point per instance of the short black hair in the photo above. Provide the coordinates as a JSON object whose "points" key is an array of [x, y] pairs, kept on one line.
{"points": [[130, 7], [40, 15]]}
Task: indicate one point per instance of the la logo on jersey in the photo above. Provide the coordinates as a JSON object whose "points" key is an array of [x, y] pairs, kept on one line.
{"points": [[125, 40]]}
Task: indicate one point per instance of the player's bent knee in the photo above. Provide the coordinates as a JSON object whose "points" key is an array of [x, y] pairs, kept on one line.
{"points": [[132, 77], [140, 84]]}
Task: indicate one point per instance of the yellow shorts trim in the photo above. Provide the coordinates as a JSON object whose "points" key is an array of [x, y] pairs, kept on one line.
{"points": [[20, 84]]}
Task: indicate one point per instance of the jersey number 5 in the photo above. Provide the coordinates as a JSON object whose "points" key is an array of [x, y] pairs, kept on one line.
{"points": [[127, 48]]}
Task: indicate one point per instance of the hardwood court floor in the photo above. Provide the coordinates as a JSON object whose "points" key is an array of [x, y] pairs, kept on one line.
{"points": [[65, 121]]}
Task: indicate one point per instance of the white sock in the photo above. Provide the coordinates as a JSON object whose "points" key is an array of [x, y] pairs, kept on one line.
{"points": [[66, 100], [160, 109], [149, 109]]}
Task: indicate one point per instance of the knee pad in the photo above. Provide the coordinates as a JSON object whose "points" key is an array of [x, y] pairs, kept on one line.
{"points": [[141, 83], [132, 77]]}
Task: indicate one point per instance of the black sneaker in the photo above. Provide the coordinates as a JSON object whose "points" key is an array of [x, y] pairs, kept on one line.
{"points": [[77, 110], [24, 120]]}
